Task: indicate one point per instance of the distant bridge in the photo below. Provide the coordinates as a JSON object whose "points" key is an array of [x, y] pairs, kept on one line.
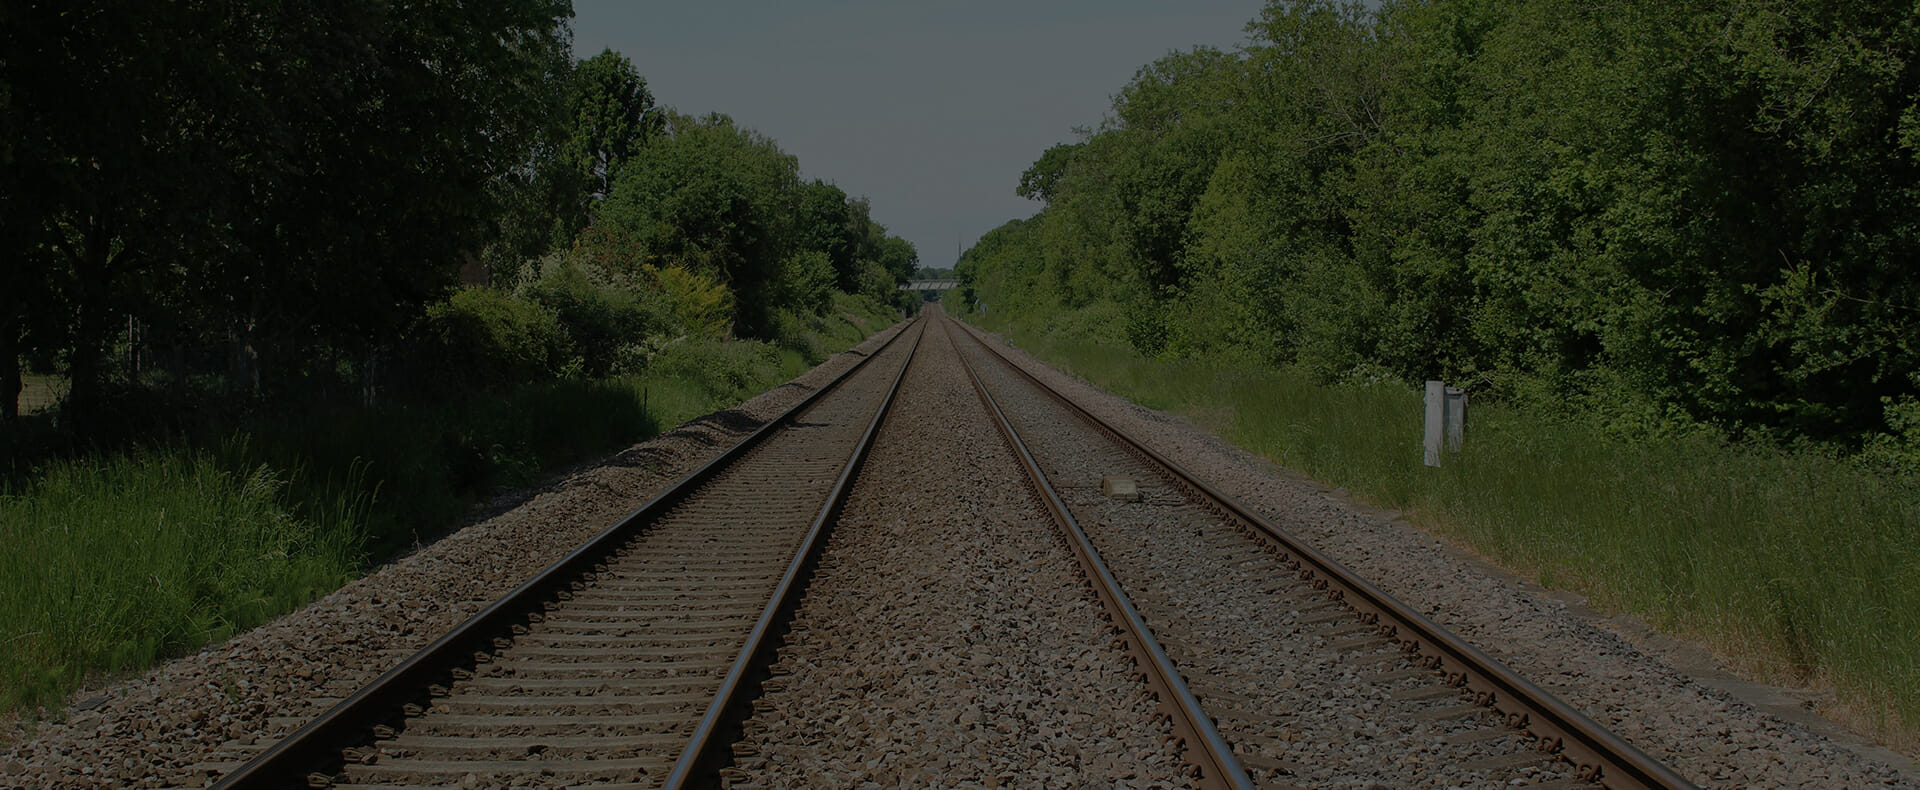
{"points": [[930, 285]]}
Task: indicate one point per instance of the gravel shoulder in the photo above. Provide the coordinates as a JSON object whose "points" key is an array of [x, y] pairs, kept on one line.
{"points": [[1660, 694], [166, 727]]}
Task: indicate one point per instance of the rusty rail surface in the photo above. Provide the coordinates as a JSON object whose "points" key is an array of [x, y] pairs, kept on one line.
{"points": [[311, 755], [1207, 754], [1599, 756]]}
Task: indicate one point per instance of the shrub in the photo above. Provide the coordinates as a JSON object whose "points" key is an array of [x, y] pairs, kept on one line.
{"points": [[485, 337], [601, 313], [806, 283], [1898, 448], [877, 282], [701, 305], [731, 369]]}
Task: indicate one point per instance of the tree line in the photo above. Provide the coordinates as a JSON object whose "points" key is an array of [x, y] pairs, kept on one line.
{"points": [[1670, 216], [263, 199]]}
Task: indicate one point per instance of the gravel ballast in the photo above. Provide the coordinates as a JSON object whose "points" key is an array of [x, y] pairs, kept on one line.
{"points": [[1308, 693], [948, 639]]}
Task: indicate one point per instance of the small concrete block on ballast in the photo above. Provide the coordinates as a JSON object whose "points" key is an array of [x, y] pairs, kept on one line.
{"points": [[1121, 488]]}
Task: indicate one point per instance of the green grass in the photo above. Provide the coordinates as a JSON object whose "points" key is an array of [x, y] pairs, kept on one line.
{"points": [[116, 562], [111, 565], [1802, 567]]}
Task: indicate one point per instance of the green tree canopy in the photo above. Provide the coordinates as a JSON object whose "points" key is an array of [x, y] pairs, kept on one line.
{"points": [[612, 116], [280, 174], [1675, 215]]}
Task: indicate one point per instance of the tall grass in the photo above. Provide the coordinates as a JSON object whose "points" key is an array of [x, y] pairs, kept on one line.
{"points": [[1800, 566], [111, 565]]}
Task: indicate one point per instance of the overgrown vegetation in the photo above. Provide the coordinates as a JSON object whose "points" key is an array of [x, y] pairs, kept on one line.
{"points": [[313, 284], [1665, 246]]}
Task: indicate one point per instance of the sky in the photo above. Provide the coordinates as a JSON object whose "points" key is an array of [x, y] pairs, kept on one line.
{"points": [[931, 109]]}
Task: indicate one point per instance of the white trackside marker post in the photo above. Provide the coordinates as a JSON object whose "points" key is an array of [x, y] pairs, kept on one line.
{"points": [[1446, 424]]}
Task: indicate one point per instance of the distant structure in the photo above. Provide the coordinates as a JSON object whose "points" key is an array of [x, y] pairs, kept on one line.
{"points": [[930, 285]]}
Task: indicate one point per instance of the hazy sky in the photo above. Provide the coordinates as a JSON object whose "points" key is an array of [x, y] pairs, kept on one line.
{"points": [[929, 108]]}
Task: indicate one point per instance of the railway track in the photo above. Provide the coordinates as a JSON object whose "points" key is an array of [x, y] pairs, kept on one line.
{"points": [[632, 662], [1313, 675], [623, 663]]}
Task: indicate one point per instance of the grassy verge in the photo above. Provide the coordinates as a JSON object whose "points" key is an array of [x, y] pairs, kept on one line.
{"points": [[1800, 567], [115, 563], [112, 563]]}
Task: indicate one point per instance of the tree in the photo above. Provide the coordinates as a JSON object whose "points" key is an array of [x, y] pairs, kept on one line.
{"points": [[16, 279], [107, 157], [713, 198], [898, 257], [1040, 180], [824, 222], [1706, 207], [612, 117], [285, 176]]}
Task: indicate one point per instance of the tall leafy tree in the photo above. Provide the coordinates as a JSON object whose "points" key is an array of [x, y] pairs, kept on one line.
{"points": [[825, 224], [1040, 180], [106, 139], [1675, 214], [612, 116], [281, 174], [16, 278], [713, 198]]}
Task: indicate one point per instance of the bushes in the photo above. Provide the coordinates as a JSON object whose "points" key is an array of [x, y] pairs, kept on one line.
{"points": [[577, 314], [601, 313], [806, 283], [562, 319], [718, 366], [428, 463], [483, 336], [702, 306]]}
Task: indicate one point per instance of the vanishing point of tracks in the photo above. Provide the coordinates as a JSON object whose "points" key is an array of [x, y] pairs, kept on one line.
{"points": [[642, 658]]}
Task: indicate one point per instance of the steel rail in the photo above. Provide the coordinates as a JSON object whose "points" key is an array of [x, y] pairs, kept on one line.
{"points": [[381, 703], [1206, 751], [1598, 754], [706, 753]]}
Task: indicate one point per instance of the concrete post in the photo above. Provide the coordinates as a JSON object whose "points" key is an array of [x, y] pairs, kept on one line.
{"points": [[1436, 403]]}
